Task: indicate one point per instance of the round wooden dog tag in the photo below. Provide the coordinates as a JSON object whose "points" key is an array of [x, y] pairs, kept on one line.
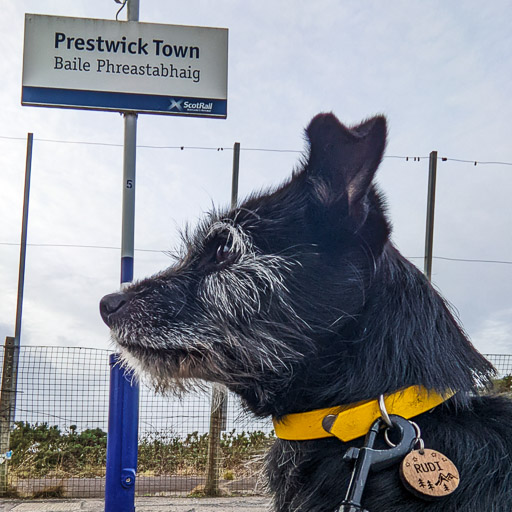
{"points": [[429, 475]]}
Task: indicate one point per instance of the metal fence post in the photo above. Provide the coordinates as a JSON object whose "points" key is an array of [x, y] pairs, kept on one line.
{"points": [[123, 425], [219, 400], [7, 406], [219, 405]]}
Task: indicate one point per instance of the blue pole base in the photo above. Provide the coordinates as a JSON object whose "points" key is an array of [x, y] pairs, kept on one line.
{"points": [[122, 439], [126, 269]]}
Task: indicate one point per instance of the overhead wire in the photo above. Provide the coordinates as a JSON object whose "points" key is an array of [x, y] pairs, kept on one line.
{"points": [[269, 150], [162, 251]]}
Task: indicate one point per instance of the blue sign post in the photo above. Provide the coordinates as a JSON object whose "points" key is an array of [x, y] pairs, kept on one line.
{"points": [[123, 424], [123, 419]]}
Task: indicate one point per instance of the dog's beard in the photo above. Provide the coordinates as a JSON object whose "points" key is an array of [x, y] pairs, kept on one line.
{"points": [[256, 361]]}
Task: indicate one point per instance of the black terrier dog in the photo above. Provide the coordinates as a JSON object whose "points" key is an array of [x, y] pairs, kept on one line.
{"points": [[298, 301]]}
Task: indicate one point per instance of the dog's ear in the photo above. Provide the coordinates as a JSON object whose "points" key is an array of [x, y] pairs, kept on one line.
{"points": [[342, 163]]}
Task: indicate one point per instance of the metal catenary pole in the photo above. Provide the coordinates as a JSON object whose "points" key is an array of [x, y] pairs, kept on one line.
{"points": [[12, 345], [219, 400], [122, 438], [236, 169], [431, 201]]}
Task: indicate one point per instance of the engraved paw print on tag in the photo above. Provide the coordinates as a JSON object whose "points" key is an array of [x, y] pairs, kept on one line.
{"points": [[429, 474]]}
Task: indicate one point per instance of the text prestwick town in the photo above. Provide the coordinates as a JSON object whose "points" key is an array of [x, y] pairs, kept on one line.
{"points": [[108, 63]]}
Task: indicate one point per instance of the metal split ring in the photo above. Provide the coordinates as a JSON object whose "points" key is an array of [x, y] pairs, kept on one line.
{"points": [[418, 439], [384, 412]]}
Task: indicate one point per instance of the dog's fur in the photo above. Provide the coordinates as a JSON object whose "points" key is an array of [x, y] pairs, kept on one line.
{"points": [[297, 300]]}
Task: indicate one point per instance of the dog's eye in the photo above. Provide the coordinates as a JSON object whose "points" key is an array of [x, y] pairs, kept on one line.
{"points": [[224, 252]]}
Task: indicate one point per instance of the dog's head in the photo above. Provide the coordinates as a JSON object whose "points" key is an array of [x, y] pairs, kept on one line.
{"points": [[259, 291]]}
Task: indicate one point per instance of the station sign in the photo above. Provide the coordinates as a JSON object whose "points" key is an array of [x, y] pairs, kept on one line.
{"points": [[125, 66]]}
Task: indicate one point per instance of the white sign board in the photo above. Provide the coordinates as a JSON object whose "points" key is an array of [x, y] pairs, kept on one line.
{"points": [[125, 66]]}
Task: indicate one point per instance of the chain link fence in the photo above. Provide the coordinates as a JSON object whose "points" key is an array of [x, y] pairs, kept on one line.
{"points": [[59, 438], [57, 445]]}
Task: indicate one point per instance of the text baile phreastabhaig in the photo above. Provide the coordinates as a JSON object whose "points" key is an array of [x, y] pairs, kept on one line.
{"points": [[157, 48]]}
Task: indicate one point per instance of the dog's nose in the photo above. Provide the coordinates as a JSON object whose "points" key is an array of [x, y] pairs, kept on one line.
{"points": [[111, 305]]}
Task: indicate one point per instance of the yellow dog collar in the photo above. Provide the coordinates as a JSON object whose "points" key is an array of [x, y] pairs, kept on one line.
{"points": [[354, 420]]}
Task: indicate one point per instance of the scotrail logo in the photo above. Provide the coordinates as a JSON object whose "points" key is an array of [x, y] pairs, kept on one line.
{"points": [[181, 105], [176, 104]]}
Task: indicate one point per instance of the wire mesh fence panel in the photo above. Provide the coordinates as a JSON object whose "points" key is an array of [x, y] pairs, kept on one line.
{"points": [[59, 433], [58, 440], [173, 440], [174, 445], [244, 444], [502, 363]]}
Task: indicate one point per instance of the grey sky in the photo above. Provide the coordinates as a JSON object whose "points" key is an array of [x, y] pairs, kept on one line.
{"points": [[440, 71]]}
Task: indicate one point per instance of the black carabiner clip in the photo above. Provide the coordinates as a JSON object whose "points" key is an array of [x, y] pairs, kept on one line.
{"points": [[368, 458]]}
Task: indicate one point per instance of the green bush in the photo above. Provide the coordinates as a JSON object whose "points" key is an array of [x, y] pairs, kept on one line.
{"points": [[168, 454], [503, 385], [41, 450], [240, 448]]}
